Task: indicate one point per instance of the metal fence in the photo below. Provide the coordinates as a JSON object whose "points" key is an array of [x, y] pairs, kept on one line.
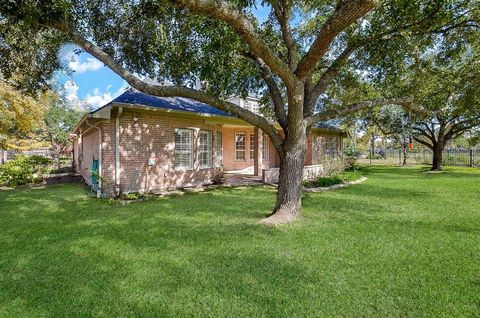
{"points": [[61, 164], [451, 157], [7, 155]]}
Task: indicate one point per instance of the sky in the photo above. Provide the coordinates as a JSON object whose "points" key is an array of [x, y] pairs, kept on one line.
{"points": [[90, 84]]}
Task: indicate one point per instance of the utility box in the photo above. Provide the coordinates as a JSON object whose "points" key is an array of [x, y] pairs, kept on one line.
{"points": [[151, 161]]}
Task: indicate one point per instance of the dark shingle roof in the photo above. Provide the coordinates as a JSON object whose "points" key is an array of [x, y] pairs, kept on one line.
{"points": [[169, 103], [183, 104]]}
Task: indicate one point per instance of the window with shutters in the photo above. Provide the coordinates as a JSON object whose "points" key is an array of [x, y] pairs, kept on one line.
{"points": [[183, 148], [205, 149]]}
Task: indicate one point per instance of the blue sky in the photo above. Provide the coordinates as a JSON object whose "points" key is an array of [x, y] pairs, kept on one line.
{"points": [[91, 84]]}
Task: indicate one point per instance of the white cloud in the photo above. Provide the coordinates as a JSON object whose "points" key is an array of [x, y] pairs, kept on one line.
{"points": [[98, 99], [75, 64], [92, 100], [71, 90]]}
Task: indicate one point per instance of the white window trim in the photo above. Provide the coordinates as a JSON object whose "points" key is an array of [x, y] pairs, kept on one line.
{"points": [[218, 148], [208, 151], [244, 143], [265, 152], [192, 154]]}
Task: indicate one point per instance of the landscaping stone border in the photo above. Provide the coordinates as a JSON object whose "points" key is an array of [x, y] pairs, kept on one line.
{"points": [[335, 186]]}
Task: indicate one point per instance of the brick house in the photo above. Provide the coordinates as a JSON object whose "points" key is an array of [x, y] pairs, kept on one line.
{"points": [[143, 143]]}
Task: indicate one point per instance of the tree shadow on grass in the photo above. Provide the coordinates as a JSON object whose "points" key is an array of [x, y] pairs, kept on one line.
{"points": [[70, 255]]}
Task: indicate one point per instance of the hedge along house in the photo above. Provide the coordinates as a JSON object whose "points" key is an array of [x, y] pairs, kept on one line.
{"points": [[142, 143]]}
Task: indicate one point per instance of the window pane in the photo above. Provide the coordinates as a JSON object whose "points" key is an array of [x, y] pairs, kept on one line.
{"points": [[183, 148], [265, 147], [205, 149], [219, 148], [239, 146], [331, 147]]}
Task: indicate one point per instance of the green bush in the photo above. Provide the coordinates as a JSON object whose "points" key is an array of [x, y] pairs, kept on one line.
{"points": [[351, 156], [24, 170], [346, 176]]}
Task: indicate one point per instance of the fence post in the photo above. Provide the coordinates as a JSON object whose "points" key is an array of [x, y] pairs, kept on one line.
{"points": [[471, 157]]}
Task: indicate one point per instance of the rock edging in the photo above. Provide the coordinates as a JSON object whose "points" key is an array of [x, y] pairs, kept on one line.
{"points": [[335, 186]]}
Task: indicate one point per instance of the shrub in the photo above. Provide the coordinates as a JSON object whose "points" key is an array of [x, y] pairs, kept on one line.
{"points": [[332, 180], [348, 176], [24, 170], [132, 196], [351, 156], [333, 167], [218, 178]]}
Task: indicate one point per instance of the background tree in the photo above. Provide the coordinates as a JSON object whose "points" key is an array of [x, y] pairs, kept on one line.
{"points": [[303, 50], [60, 119], [20, 115], [449, 93], [393, 123]]}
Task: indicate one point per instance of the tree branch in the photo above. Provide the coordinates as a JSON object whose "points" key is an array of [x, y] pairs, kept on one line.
{"points": [[331, 72], [406, 102], [347, 12], [425, 134], [423, 142], [283, 14], [171, 91], [274, 90], [221, 10]]}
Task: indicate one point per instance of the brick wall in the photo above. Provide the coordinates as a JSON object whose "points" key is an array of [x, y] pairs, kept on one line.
{"points": [[150, 137], [86, 150]]}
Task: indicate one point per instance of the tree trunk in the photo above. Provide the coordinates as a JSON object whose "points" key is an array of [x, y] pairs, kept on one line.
{"points": [[372, 146], [289, 194], [437, 157], [292, 160], [404, 152]]}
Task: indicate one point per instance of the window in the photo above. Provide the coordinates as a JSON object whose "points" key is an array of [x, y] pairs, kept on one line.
{"points": [[205, 149], [265, 147], [255, 107], [252, 146], [318, 149], [252, 106], [219, 148], [331, 147], [240, 146], [183, 148]]}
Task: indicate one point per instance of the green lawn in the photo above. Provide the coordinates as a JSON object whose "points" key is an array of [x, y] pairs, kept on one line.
{"points": [[405, 243]]}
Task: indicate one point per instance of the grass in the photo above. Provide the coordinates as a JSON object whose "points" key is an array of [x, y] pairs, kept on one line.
{"points": [[342, 177], [404, 243]]}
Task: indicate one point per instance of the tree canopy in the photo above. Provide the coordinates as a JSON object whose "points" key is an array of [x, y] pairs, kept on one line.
{"points": [[20, 115]]}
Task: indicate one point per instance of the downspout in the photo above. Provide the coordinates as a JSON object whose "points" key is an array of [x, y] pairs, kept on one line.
{"points": [[117, 151], [99, 192]]}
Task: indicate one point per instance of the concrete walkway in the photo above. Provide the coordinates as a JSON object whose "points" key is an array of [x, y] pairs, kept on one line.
{"points": [[241, 179]]}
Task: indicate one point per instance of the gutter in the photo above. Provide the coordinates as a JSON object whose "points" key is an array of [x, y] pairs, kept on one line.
{"points": [[117, 150], [99, 191]]}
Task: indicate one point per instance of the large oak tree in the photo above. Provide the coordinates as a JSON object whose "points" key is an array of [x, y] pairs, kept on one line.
{"points": [[299, 55]]}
